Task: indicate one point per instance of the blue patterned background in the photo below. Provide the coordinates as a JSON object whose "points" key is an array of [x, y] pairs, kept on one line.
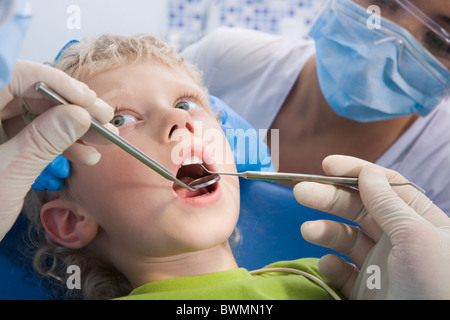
{"points": [[191, 19]]}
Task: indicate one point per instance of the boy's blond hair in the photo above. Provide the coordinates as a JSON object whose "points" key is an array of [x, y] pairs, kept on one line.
{"points": [[84, 60], [91, 56]]}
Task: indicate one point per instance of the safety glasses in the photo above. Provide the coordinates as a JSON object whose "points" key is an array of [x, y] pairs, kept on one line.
{"points": [[428, 32]]}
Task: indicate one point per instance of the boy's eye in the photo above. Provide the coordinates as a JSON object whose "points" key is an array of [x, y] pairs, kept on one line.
{"points": [[186, 105], [123, 119]]}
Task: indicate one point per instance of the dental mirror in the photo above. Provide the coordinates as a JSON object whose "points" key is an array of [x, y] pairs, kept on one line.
{"points": [[205, 181]]}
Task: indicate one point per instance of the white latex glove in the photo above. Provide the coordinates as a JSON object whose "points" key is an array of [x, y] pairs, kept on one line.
{"points": [[406, 236], [30, 148]]}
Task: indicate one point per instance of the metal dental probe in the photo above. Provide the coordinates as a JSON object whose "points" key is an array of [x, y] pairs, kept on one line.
{"points": [[280, 176], [117, 140]]}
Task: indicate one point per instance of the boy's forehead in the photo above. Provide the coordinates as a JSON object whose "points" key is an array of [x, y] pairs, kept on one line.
{"points": [[123, 79]]}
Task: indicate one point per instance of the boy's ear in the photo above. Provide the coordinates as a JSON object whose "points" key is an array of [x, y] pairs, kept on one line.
{"points": [[68, 224]]}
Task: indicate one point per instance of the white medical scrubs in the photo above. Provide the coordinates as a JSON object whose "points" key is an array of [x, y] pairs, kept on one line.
{"points": [[253, 72]]}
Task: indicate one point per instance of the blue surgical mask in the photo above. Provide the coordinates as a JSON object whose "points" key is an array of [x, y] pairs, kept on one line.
{"points": [[15, 18], [374, 74]]}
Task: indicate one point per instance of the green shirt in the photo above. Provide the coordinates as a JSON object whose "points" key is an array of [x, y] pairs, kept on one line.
{"points": [[239, 284]]}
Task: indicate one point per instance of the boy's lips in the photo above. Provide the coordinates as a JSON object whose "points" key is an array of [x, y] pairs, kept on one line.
{"points": [[191, 169], [187, 174]]}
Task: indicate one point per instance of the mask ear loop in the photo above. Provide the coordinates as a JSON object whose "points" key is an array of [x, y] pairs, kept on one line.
{"points": [[437, 29], [409, 40], [396, 77]]}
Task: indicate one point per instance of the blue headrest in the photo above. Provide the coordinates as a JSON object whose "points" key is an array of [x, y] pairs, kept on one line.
{"points": [[269, 224]]}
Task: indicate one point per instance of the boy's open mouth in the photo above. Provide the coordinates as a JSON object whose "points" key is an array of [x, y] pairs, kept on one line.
{"points": [[189, 172]]}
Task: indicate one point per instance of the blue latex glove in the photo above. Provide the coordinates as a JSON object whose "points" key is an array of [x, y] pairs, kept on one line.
{"points": [[251, 153], [52, 178]]}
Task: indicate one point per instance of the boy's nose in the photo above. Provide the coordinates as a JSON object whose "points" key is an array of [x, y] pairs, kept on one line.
{"points": [[175, 119]]}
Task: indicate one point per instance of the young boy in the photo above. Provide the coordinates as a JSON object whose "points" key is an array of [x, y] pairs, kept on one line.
{"points": [[132, 232]]}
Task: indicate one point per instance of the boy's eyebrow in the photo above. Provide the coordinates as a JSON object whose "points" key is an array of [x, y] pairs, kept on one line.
{"points": [[114, 93], [116, 97]]}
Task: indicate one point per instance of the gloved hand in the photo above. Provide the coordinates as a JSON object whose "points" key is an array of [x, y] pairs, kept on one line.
{"points": [[251, 155], [406, 244], [30, 148], [52, 178]]}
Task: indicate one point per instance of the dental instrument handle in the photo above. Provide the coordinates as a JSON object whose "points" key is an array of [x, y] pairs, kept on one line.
{"points": [[132, 150], [279, 176], [114, 138]]}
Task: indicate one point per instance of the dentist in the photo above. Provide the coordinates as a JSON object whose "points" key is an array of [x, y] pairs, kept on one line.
{"points": [[379, 93]]}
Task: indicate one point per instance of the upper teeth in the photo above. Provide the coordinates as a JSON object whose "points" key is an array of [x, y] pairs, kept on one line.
{"points": [[192, 160]]}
